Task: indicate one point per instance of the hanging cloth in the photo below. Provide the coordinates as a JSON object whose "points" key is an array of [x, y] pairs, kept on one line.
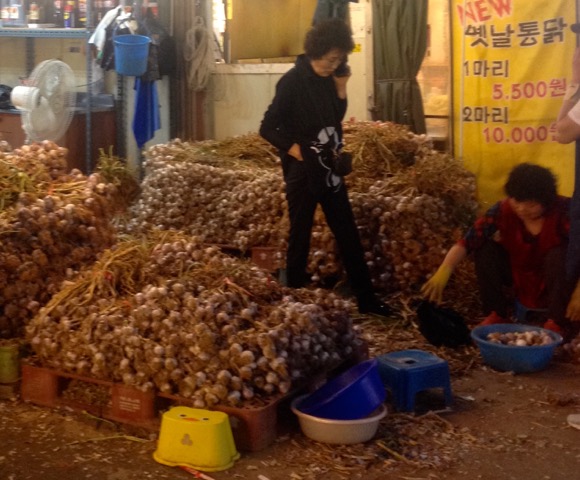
{"points": [[326, 9], [146, 120], [99, 36], [400, 43], [121, 25], [162, 46]]}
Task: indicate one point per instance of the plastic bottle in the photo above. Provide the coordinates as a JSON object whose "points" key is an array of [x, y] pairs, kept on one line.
{"points": [[17, 13], [57, 13], [33, 13], [69, 15], [98, 11], [5, 15], [82, 13]]}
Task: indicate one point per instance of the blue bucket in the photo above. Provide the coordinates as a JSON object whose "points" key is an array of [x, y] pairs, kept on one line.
{"points": [[131, 53], [354, 394]]}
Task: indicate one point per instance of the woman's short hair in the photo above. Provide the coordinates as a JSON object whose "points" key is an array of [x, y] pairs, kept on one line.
{"points": [[528, 182], [326, 35]]}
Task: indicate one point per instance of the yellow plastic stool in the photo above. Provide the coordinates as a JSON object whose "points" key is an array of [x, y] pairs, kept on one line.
{"points": [[200, 439]]}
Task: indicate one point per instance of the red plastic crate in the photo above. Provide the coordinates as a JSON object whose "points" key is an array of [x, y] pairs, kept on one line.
{"points": [[130, 405], [125, 404], [253, 428], [39, 385]]}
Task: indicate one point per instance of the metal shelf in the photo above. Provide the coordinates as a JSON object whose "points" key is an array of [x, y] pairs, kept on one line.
{"points": [[31, 33], [43, 32], [81, 33]]}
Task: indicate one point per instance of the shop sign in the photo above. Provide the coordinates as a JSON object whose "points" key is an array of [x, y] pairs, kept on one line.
{"points": [[511, 65]]}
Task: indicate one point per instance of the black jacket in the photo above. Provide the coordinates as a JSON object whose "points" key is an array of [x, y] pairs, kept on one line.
{"points": [[303, 106]]}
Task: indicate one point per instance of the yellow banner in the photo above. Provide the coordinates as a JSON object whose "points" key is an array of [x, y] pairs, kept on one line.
{"points": [[512, 61]]}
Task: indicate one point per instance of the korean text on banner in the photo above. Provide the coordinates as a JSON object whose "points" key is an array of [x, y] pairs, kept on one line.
{"points": [[512, 61]]}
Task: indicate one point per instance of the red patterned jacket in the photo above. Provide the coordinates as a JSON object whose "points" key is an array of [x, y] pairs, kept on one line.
{"points": [[527, 252]]}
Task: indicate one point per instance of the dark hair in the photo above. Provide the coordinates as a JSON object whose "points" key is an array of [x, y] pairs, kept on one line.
{"points": [[527, 182], [326, 35]]}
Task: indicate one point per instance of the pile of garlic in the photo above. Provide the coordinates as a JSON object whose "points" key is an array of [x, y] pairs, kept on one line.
{"points": [[572, 349], [241, 207], [405, 226], [52, 224], [196, 323]]}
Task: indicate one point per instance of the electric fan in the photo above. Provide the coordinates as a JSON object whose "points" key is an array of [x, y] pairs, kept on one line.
{"points": [[47, 101]]}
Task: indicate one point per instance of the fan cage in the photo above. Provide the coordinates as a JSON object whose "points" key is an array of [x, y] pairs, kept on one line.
{"points": [[52, 117]]}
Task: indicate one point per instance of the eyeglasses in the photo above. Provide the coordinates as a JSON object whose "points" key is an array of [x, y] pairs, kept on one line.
{"points": [[334, 60]]}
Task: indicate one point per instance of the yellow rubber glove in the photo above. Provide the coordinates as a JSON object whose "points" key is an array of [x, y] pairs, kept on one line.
{"points": [[573, 310], [433, 289]]}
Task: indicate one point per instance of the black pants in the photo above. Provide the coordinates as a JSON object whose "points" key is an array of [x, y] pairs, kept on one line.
{"points": [[494, 278], [336, 206]]}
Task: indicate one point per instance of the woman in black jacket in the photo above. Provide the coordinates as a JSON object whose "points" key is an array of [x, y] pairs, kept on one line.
{"points": [[304, 121]]}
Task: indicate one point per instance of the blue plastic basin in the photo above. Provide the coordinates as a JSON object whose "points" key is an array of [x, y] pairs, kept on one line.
{"points": [[351, 395], [508, 358]]}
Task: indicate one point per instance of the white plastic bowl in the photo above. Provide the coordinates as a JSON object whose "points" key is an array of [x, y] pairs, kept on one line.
{"points": [[342, 432]]}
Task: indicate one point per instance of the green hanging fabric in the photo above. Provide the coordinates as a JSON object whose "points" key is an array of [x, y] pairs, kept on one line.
{"points": [[332, 9], [400, 43]]}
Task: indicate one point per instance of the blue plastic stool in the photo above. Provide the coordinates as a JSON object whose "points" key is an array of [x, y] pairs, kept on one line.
{"points": [[407, 372], [521, 312]]}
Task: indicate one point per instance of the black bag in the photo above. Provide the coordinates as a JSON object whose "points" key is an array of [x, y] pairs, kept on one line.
{"points": [[165, 48], [319, 166], [5, 102], [107, 57], [442, 326], [342, 164]]}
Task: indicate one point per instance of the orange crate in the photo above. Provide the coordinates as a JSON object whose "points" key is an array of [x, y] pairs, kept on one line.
{"points": [[39, 385], [117, 402], [131, 405], [253, 428]]}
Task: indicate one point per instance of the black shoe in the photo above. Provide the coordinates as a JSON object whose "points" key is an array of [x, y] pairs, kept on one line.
{"points": [[375, 307]]}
